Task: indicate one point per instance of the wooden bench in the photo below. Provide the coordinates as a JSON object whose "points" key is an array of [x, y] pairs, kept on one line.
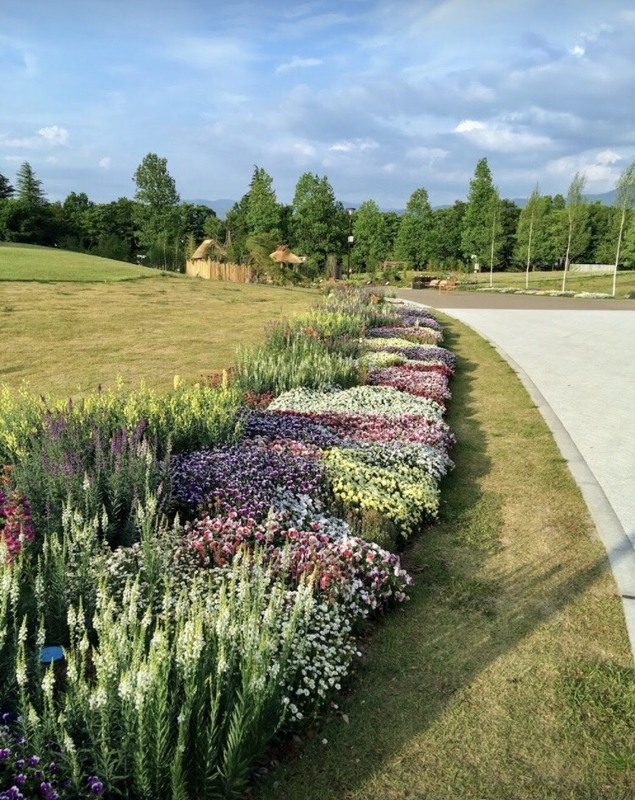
{"points": [[448, 285]]}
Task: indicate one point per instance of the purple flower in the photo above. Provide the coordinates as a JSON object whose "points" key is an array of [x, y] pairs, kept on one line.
{"points": [[249, 478], [95, 785], [4, 753]]}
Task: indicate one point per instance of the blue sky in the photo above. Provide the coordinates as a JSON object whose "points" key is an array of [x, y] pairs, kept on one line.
{"points": [[381, 96]]}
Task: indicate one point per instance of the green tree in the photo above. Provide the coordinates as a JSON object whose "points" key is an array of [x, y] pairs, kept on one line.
{"points": [[157, 216], [29, 217], [263, 210], [195, 221], [31, 224], [319, 224], [417, 240], [74, 211], [480, 215], [529, 223], [602, 227], [576, 211], [449, 224], [237, 231], [506, 243], [111, 229], [392, 221], [370, 237], [6, 190], [29, 188], [625, 201]]}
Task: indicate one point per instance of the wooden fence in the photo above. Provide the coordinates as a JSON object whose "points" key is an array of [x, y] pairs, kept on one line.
{"points": [[217, 271]]}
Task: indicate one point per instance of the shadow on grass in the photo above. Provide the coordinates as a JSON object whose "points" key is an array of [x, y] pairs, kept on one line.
{"points": [[457, 624]]}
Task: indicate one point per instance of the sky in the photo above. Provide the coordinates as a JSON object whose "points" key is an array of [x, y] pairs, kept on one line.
{"points": [[381, 96]]}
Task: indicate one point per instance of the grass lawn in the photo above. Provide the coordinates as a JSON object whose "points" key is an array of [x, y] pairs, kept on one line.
{"points": [[552, 281], [24, 262], [65, 336], [509, 674]]}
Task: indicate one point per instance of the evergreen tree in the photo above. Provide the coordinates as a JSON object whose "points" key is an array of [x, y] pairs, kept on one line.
{"points": [[6, 190], [263, 211], [29, 188]]}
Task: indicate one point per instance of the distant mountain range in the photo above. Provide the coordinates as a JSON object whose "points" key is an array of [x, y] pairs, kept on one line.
{"points": [[222, 206], [219, 207]]}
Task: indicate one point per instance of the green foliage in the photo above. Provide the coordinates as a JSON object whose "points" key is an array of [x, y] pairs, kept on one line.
{"points": [[156, 214], [319, 225], [29, 188], [172, 702], [6, 190], [303, 361], [480, 215], [263, 211], [448, 224], [371, 245], [577, 216], [417, 238]]}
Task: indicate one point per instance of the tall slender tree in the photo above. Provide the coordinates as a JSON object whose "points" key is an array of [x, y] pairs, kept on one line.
{"points": [[576, 213], [625, 201], [527, 224]]}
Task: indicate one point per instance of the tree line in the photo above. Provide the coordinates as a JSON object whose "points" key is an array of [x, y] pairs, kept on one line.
{"points": [[484, 232]]}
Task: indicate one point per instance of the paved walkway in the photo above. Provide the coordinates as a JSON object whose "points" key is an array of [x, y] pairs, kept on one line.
{"points": [[577, 360]]}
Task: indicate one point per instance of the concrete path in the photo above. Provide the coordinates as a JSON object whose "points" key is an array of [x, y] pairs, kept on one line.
{"points": [[577, 360]]}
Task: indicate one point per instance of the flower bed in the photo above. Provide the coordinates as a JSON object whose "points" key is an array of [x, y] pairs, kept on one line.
{"points": [[211, 568]]}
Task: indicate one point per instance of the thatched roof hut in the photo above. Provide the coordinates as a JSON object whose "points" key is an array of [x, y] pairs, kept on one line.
{"points": [[208, 248], [282, 255]]}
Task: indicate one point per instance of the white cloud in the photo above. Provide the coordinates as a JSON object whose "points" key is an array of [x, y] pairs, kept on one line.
{"points": [[578, 50], [54, 134], [469, 125], [353, 146], [598, 168], [104, 163], [608, 157], [427, 155], [304, 149], [498, 137], [297, 62]]}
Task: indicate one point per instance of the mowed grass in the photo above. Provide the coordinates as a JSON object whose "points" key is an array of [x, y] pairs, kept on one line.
{"points": [[21, 262], [552, 281], [508, 676], [65, 337]]}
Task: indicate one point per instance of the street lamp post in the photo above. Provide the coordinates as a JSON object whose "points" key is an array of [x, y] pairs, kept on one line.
{"points": [[351, 239]]}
